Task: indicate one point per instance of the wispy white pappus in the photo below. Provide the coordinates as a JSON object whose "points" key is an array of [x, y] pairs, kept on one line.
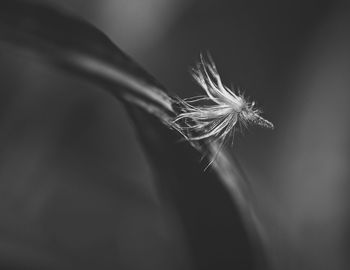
{"points": [[216, 115]]}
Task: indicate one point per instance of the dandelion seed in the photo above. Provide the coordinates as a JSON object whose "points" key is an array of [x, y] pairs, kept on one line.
{"points": [[217, 115]]}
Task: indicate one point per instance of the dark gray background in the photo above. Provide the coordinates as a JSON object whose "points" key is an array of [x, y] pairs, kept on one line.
{"points": [[75, 187]]}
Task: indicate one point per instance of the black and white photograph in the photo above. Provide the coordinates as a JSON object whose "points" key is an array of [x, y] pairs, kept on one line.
{"points": [[174, 135]]}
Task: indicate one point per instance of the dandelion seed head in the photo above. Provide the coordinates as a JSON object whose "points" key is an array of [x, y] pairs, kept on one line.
{"points": [[218, 114]]}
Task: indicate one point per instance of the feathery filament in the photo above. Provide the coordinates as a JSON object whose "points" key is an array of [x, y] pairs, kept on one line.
{"points": [[216, 115]]}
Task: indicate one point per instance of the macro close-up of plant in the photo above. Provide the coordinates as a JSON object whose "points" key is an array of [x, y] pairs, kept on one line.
{"points": [[237, 163]]}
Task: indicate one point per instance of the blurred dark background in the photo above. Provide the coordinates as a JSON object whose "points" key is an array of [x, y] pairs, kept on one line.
{"points": [[75, 187]]}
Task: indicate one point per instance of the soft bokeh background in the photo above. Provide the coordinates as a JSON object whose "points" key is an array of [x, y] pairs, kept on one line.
{"points": [[64, 143]]}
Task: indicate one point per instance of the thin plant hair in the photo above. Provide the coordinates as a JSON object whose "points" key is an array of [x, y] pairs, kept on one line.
{"points": [[219, 113]]}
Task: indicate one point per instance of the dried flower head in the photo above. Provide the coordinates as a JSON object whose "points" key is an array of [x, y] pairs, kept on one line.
{"points": [[216, 115]]}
